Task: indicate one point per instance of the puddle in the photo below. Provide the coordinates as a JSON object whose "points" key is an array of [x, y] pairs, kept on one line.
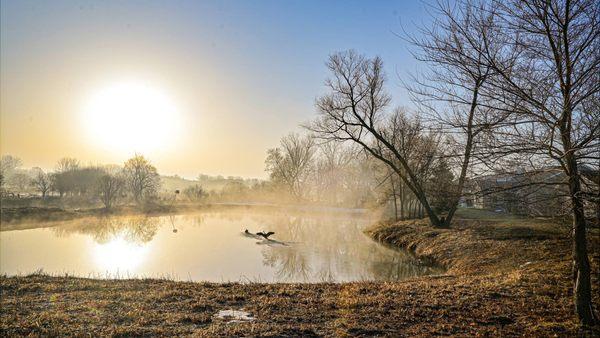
{"points": [[234, 316]]}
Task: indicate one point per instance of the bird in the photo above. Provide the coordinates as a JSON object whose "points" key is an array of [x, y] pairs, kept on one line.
{"points": [[265, 235]]}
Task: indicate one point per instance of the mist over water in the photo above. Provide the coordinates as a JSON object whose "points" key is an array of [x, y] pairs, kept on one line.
{"points": [[210, 246]]}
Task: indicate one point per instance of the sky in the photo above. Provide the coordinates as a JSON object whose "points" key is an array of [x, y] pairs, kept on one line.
{"points": [[226, 79]]}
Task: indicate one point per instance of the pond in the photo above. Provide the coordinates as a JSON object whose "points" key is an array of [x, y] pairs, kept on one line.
{"points": [[209, 246]]}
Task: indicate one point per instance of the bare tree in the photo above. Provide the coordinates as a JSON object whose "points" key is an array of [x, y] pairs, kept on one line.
{"points": [[454, 90], [290, 164], [41, 182], [548, 69], [332, 164], [110, 187], [356, 110], [9, 163], [67, 164], [389, 188], [20, 179], [8, 168], [142, 177]]}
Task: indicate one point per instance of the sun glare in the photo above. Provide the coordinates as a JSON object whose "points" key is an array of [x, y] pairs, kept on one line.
{"points": [[131, 117], [119, 255]]}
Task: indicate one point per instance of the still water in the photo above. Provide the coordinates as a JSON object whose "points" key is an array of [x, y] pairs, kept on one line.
{"points": [[209, 246]]}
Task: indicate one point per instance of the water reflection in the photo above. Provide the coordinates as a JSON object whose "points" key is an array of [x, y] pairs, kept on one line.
{"points": [[119, 255], [343, 253], [135, 229], [211, 246]]}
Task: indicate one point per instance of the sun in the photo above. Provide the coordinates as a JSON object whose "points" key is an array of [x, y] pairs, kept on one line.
{"points": [[131, 117]]}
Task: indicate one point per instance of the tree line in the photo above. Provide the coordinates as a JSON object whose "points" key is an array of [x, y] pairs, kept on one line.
{"points": [[136, 180], [303, 170]]}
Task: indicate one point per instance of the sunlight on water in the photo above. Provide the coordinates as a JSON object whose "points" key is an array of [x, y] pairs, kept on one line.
{"points": [[119, 255]]}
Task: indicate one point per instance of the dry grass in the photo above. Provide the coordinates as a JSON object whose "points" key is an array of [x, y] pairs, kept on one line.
{"points": [[502, 281], [525, 260]]}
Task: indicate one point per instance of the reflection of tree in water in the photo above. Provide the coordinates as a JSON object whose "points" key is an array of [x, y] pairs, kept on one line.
{"points": [[197, 220], [141, 229], [332, 249], [399, 265], [137, 229], [290, 263]]}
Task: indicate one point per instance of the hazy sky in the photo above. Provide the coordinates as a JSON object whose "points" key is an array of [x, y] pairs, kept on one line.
{"points": [[238, 74]]}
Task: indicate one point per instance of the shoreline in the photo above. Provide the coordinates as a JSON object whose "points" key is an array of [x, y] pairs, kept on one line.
{"points": [[509, 279], [19, 218]]}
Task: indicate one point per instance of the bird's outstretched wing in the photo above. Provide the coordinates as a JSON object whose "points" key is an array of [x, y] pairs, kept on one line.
{"points": [[265, 235]]}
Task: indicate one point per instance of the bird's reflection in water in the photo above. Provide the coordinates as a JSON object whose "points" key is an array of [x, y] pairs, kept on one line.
{"points": [[172, 221]]}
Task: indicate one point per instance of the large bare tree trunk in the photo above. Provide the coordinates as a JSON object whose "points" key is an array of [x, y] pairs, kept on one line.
{"points": [[582, 288], [466, 157]]}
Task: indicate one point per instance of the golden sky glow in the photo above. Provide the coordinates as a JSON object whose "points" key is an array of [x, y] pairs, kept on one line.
{"points": [[237, 76]]}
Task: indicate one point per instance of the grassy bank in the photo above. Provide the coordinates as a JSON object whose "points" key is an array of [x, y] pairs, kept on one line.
{"points": [[509, 279], [520, 265]]}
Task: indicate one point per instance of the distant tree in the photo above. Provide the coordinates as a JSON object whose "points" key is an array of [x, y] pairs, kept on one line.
{"points": [[70, 177], [195, 192], [67, 164], [109, 188], [141, 177], [389, 188], [333, 163], [41, 182], [20, 180], [84, 180], [290, 164], [9, 163], [8, 166], [61, 182]]}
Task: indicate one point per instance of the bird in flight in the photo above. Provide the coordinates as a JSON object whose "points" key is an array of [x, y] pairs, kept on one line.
{"points": [[265, 235], [261, 234]]}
